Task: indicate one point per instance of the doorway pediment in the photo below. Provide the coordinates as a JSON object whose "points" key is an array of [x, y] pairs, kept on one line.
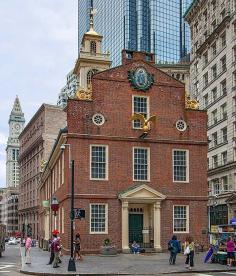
{"points": [[141, 193]]}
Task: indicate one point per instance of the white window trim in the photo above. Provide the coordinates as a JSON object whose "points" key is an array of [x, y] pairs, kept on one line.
{"points": [[106, 219], [187, 169], [148, 160], [90, 162], [187, 219], [148, 108]]}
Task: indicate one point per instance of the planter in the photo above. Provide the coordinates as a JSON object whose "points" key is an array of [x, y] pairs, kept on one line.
{"points": [[108, 251]]}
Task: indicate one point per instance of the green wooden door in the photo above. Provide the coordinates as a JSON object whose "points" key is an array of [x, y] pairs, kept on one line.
{"points": [[135, 228]]}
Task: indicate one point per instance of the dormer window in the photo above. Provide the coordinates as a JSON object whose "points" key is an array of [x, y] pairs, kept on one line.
{"points": [[89, 76], [129, 55], [93, 47]]}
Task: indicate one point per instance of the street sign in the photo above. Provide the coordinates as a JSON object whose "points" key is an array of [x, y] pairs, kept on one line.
{"points": [[79, 213]]}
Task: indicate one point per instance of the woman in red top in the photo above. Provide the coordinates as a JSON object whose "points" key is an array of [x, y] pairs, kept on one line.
{"points": [[230, 251]]}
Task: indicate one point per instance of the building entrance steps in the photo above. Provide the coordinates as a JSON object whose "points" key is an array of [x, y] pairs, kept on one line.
{"points": [[123, 264]]}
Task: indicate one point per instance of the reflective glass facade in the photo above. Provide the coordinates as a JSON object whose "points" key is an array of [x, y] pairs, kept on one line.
{"points": [[155, 26]]}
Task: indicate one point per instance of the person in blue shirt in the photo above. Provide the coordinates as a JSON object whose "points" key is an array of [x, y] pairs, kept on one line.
{"points": [[135, 247], [174, 248]]}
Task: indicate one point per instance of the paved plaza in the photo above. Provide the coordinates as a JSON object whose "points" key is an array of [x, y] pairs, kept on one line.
{"points": [[122, 264]]}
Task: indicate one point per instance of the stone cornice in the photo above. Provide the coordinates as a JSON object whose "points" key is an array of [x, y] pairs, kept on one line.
{"points": [[135, 139], [116, 196], [211, 37], [28, 210], [220, 169], [38, 141]]}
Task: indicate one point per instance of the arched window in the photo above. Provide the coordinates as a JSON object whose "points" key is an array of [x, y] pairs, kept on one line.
{"points": [[89, 76], [93, 47]]}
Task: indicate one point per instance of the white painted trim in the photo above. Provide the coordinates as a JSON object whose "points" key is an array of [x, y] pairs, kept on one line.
{"points": [[90, 160], [187, 219], [128, 195], [148, 160], [187, 165], [106, 219], [148, 107]]}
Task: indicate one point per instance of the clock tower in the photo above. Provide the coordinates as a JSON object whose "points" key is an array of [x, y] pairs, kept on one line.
{"points": [[16, 125]]}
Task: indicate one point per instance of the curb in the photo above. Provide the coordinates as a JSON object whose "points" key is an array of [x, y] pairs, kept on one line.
{"points": [[125, 274], [52, 274]]}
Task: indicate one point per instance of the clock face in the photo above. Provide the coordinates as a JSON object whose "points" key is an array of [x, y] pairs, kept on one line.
{"points": [[17, 127]]}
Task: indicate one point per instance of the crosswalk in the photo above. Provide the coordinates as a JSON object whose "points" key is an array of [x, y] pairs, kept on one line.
{"points": [[222, 273], [4, 268]]}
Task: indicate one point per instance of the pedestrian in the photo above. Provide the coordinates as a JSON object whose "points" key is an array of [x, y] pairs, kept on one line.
{"points": [[60, 251], [51, 245], [135, 247], [28, 244], [174, 248], [189, 248], [77, 247], [51, 251], [56, 248], [230, 246]]}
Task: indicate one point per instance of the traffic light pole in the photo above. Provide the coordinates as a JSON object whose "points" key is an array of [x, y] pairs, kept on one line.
{"points": [[71, 265]]}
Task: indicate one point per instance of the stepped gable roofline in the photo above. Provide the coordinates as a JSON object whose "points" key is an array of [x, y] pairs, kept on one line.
{"points": [[100, 74], [41, 108]]}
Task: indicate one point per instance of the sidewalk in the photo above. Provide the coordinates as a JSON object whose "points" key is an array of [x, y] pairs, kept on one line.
{"points": [[122, 264]]}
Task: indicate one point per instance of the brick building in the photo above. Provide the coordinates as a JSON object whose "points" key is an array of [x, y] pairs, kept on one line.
{"points": [[133, 182], [36, 142]]}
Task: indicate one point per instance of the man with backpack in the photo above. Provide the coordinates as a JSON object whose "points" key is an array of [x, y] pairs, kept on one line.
{"points": [[174, 248]]}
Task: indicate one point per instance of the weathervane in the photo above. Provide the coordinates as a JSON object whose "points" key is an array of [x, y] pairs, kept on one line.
{"points": [[92, 12]]}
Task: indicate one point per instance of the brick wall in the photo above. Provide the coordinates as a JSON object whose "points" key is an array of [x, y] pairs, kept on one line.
{"points": [[112, 97]]}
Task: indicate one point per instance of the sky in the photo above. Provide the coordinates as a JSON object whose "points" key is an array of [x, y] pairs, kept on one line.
{"points": [[38, 47]]}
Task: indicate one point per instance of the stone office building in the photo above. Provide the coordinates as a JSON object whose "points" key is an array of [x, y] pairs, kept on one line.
{"points": [[36, 142], [213, 80], [136, 179]]}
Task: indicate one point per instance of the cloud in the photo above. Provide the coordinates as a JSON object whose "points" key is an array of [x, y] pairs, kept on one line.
{"points": [[3, 139], [38, 47], [2, 173]]}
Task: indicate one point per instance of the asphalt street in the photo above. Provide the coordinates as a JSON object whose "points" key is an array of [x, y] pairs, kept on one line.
{"points": [[10, 262], [226, 273]]}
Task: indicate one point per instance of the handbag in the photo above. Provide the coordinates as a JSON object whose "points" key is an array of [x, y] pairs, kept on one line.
{"points": [[187, 250], [170, 246]]}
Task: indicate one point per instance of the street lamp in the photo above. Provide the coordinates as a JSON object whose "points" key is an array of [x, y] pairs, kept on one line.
{"points": [[55, 205], [71, 264]]}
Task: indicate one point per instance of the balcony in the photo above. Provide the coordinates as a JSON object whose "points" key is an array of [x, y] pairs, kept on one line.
{"points": [[88, 55]]}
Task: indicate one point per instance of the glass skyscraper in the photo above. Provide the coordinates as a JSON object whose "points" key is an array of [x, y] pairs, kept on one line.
{"points": [[155, 26]]}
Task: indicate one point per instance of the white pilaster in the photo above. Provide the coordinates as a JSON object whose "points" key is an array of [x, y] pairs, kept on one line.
{"points": [[157, 226], [125, 226]]}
